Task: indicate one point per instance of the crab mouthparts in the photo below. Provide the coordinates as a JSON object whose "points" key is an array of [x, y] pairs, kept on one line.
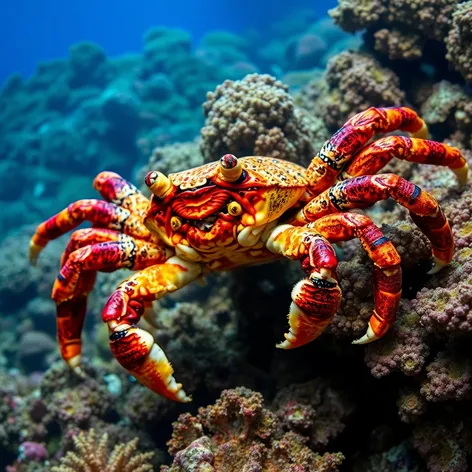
{"points": [[205, 224]]}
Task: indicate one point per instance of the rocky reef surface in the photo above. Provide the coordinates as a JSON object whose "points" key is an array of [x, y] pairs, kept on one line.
{"points": [[399, 404]]}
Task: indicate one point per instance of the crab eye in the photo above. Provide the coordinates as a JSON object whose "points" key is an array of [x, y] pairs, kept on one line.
{"points": [[158, 183], [150, 178], [230, 168], [234, 208], [175, 223]]}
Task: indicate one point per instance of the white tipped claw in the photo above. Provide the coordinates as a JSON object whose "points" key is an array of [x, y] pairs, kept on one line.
{"points": [[437, 266], [75, 364], [368, 337], [183, 397], [423, 133], [462, 175], [290, 338], [34, 251], [79, 372]]}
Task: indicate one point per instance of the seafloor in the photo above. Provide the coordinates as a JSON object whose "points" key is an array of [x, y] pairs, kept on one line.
{"points": [[399, 404]]}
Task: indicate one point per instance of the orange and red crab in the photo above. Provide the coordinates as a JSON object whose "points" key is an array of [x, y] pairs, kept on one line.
{"points": [[242, 211]]}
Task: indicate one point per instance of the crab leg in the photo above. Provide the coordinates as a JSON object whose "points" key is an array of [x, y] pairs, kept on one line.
{"points": [[387, 274], [86, 254], [315, 299], [363, 192], [376, 155], [126, 219], [346, 142], [113, 188], [134, 348]]}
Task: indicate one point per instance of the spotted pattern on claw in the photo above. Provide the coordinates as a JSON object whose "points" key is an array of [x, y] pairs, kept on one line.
{"points": [[242, 211]]}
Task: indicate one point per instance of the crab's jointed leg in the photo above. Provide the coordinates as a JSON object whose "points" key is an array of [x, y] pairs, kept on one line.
{"points": [[348, 140], [89, 251], [363, 192], [123, 212], [134, 348], [387, 274], [315, 299], [113, 188], [377, 154]]}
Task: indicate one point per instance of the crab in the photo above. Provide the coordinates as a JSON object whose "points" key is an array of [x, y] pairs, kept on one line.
{"points": [[243, 211]]}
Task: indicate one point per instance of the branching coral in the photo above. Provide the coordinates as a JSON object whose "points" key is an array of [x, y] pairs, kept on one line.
{"points": [[257, 116], [93, 457]]}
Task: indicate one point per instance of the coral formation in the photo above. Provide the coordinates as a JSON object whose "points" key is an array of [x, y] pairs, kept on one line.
{"points": [[352, 82], [257, 116], [459, 38], [93, 456], [238, 433], [392, 26]]}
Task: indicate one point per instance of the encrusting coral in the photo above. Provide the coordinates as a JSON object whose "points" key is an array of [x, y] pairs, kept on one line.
{"points": [[91, 456]]}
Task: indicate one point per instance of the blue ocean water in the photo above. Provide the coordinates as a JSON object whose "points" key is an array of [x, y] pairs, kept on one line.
{"points": [[33, 31]]}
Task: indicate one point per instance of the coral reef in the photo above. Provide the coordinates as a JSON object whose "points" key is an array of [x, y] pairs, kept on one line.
{"points": [[352, 82], [401, 403], [428, 27], [92, 456], [458, 40], [257, 116], [315, 410], [173, 158], [238, 433]]}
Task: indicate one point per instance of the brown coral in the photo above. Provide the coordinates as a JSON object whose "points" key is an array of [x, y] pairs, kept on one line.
{"points": [[173, 158], [398, 45], [93, 457], [257, 116], [403, 29], [353, 82], [459, 39]]}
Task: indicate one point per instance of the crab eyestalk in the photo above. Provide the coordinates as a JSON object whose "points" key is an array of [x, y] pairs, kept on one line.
{"points": [[158, 183], [230, 168]]}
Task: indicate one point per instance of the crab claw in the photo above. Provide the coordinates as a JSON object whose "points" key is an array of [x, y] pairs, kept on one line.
{"points": [[315, 302], [136, 350]]}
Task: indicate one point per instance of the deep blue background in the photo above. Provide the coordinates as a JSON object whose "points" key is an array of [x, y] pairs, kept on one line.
{"points": [[39, 30]]}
